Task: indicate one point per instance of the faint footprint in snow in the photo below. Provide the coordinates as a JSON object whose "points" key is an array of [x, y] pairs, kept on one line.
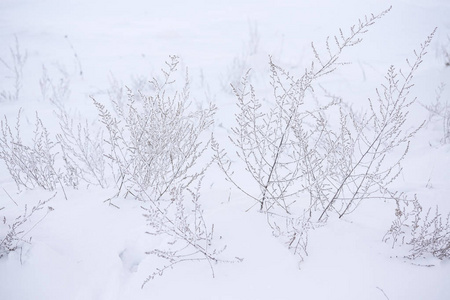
{"points": [[131, 258]]}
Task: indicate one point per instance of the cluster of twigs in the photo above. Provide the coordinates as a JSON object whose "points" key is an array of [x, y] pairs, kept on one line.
{"points": [[154, 147], [423, 233], [16, 231], [308, 166]]}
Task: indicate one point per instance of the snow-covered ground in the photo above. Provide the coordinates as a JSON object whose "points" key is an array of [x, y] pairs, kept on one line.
{"points": [[83, 248]]}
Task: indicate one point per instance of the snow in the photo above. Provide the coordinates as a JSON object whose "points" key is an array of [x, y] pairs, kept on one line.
{"points": [[87, 249]]}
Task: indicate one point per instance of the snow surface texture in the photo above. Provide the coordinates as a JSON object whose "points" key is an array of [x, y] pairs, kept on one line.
{"points": [[83, 248]]}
